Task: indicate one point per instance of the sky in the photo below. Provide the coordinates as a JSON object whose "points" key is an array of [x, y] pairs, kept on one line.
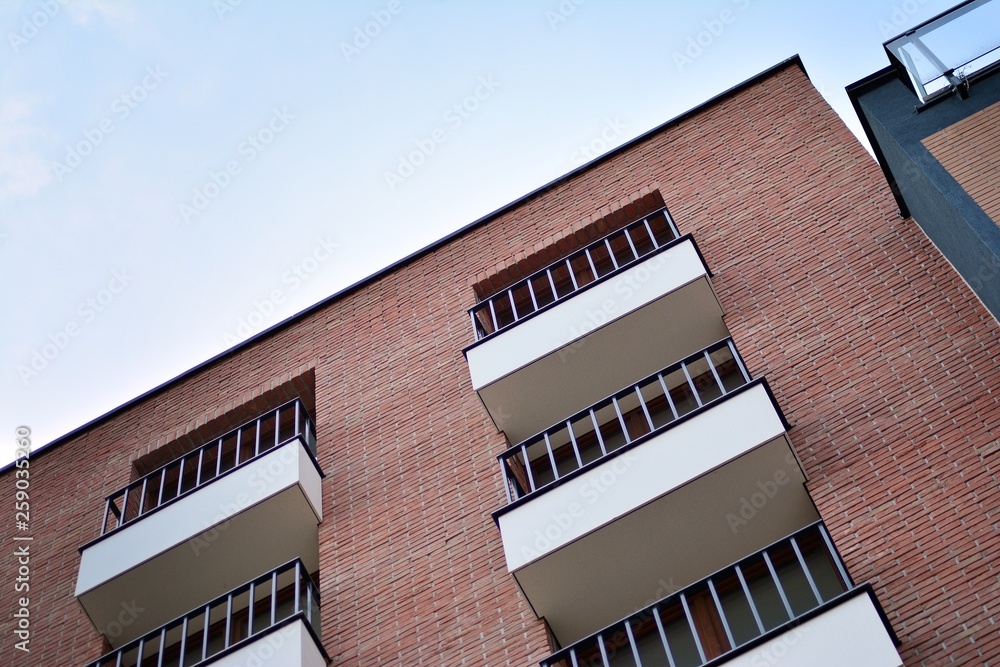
{"points": [[178, 176]]}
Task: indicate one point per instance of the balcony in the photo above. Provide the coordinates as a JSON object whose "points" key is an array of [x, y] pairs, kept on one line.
{"points": [[665, 481], [574, 331], [274, 618], [236, 506], [792, 602]]}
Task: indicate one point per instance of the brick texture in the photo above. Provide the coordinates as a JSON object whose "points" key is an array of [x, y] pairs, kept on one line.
{"points": [[881, 357]]}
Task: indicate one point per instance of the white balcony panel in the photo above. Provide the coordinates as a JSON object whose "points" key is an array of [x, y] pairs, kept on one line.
{"points": [[226, 532], [851, 633], [598, 340], [671, 511], [291, 646]]}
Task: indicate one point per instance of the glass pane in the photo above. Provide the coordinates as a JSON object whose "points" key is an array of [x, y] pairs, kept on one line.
{"points": [[266, 436], [793, 579], [680, 392], [522, 300], [611, 428], [661, 228], [640, 239], [542, 289], [701, 375], [217, 628], [739, 616], [656, 402], [679, 638], [821, 567], [618, 647], [586, 439], [764, 592], [190, 472], [286, 423], [602, 259], [727, 368], [581, 269], [633, 414], [228, 452], [560, 275]]}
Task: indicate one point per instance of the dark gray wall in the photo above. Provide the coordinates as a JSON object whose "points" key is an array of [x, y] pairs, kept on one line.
{"points": [[947, 214]]}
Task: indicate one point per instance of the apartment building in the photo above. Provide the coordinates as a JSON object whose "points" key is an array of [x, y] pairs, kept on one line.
{"points": [[704, 400]]}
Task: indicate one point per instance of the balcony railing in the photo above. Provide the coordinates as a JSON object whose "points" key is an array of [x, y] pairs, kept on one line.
{"points": [[758, 596], [226, 623], [210, 461], [645, 407], [563, 278]]}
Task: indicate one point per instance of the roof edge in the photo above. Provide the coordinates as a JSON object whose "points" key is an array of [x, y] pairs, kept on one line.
{"points": [[400, 263]]}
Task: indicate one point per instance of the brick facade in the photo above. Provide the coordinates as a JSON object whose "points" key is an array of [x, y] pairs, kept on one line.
{"points": [[880, 356]]}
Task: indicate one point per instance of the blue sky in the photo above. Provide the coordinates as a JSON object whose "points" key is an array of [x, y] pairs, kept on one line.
{"points": [[175, 176]]}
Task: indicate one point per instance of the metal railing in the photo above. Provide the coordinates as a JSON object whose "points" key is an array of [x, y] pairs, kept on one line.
{"points": [[757, 596], [561, 279], [199, 467], [226, 623], [645, 407]]}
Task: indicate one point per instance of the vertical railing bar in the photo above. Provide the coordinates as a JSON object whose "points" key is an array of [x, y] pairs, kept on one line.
{"points": [[229, 620], [258, 425], [649, 230], [531, 293], [552, 285], [527, 466], [201, 462], [715, 373], [590, 260], [805, 570], [611, 254], [572, 659], [694, 389], [142, 648], [576, 447], [670, 223], [777, 584], [161, 647], [505, 469], [204, 634], [184, 627], [632, 644], [296, 431], [298, 585], [746, 592], [475, 324], [180, 476], [722, 614], [277, 427], [663, 636], [597, 432], [163, 483], [142, 495], [552, 456], [845, 577], [493, 315], [645, 409], [253, 592], [621, 420], [124, 506], [118, 659], [309, 601], [666, 394], [572, 275], [218, 460], [107, 510], [604, 652], [739, 360], [628, 237], [239, 446], [274, 597], [694, 630], [513, 306]]}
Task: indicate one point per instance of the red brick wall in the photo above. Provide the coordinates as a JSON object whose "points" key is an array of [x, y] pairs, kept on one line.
{"points": [[877, 351]]}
